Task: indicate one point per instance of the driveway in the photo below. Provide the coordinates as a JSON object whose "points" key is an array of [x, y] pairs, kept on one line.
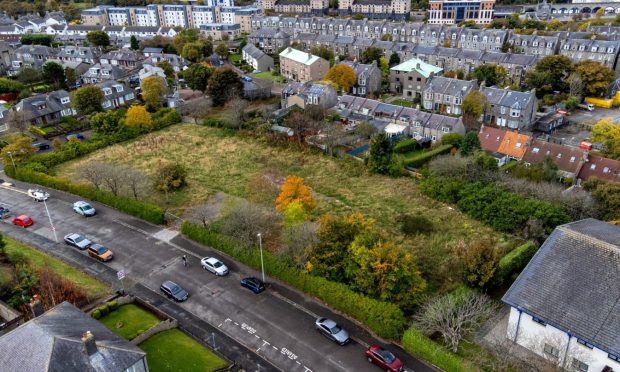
{"points": [[278, 324]]}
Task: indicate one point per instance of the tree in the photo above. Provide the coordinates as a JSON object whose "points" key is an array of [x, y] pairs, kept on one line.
{"points": [[133, 42], [596, 77], [197, 76], [17, 121], [224, 84], [55, 74], [575, 84], [196, 108], [384, 66], [237, 107], [137, 116], [192, 51], [29, 75], [453, 139], [365, 129], [454, 316], [185, 36], [294, 213], [98, 38], [222, 50], [20, 149], [550, 74], [323, 52], [474, 104], [245, 220], [294, 190], [87, 99], [394, 59], [381, 156], [108, 122], [167, 67], [386, 37], [36, 39], [606, 193], [372, 54], [470, 144], [480, 259], [70, 77], [169, 176], [608, 133], [599, 13], [490, 74], [153, 89], [343, 76], [300, 123], [299, 239]]}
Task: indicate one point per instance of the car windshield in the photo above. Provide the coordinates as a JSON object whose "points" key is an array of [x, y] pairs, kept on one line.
{"points": [[86, 207], [217, 264], [101, 250], [78, 239], [176, 289], [335, 329], [387, 356], [27, 219]]}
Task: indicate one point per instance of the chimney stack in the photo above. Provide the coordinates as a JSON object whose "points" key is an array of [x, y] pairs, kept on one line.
{"points": [[89, 342], [36, 306]]}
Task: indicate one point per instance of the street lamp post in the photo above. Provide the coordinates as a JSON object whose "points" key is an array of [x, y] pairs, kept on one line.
{"points": [[50, 218], [262, 264], [10, 154]]}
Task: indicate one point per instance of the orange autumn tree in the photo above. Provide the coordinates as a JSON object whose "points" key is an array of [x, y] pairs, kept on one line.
{"points": [[295, 190]]}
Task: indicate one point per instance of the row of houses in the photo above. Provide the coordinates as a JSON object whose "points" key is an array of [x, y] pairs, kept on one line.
{"points": [[401, 37], [573, 162], [31, 23], [381, 9]]}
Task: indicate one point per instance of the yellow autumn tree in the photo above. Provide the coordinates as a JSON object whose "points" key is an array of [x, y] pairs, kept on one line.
{"points": [[137, 116], [295, 190], [153, 89], [343, 76]]}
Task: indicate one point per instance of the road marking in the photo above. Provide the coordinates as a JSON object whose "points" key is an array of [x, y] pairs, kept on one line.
{"points": [[297, 361], [219, 325], [275, 348]]}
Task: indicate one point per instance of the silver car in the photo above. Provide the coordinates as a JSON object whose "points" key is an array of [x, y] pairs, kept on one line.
{"points": [[83, 208], [77, 241], [332, 330], [214, 265]]}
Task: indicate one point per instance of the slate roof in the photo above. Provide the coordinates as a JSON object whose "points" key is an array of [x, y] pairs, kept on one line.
{"points": [[423, 68], [600, 167], [52, 342], [449, 86], [572, 283], [51, 103], [567, 158], [507, 97], [254, 52]]}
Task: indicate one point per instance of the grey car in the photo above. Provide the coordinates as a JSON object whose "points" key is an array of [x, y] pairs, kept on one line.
{"points": [[83, 208], [77, 241], [332, 330], [174, 291]]}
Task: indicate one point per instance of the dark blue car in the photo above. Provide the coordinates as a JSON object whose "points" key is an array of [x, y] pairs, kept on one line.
{"points": [[253, 284]]}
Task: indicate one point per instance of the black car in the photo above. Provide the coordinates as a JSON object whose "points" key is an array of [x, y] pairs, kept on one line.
{"points": [[40, 146], [174, 291], [253, 284]]}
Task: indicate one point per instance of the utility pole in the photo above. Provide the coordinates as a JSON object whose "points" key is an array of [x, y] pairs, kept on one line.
{"points": [[262, 264]]}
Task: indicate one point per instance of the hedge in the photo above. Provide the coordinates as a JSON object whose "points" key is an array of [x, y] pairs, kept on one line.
{"points": [[406, 146], [419, 160], [514, 262], [385, 319], [416, 343]]}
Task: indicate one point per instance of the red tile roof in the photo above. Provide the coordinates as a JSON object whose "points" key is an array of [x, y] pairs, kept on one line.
{"points": [[603, 168], [568, 159], [490, 138]]}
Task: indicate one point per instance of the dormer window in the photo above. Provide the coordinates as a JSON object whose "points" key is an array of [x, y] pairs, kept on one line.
{"points": [[65, 100], [606, 170], [107, 91], [535, 150], [572, 159], [559, 156]]}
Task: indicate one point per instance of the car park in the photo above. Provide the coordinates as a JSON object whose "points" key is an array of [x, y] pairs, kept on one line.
{"points": [[214, 265], [332, 330], [77, 240], [174, 291], [23, 221], [83, 208], [253, 284], [100, 252], [38, 195], [384, 359]]}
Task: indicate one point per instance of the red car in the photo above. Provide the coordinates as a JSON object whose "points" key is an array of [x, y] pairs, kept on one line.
{"points": [[384, 359], [23, 221]]}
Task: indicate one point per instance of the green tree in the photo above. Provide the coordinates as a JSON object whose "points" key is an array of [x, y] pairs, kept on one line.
{"points": [[207, 47], [607, 132], [474, 104], [490, 74], [294, 213], [70, 77], [222, 50], [197, 76], [224, 84], [133, 42], [98, 38], [192, 51], [372, 54], [323, 52], [607, 194], [29, 75], [108, 122], [153, 89], [87, 99], [20, 149], [470, 144], [54, 74], [381, 156], [183, 37], [394, 59], [36, 39], [480, 259], [168, 70], [595, 76], [550, 74], [453, 139]]}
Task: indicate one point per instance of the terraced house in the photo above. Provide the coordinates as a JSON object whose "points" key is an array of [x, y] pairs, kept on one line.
{"points": [[300, 66], [45, 109], [387, 9], [409, 77], [509, 108], [445, 95], [603, 51]]}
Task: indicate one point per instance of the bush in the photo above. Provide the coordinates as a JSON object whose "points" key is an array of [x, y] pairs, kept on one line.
{"points": [[113, 305], [453, 139], [385, 319], [416, 343], [215, 122], [512, 263], [96, 314], [423, 158], [406, 146], [412, 225], [103, 310]]}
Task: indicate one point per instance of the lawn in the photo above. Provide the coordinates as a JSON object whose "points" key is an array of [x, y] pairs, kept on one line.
{"points": [[132, 319], [174, 351], [268, 75], [234, 57], [220, 160], [402, 102], [38, 259]]}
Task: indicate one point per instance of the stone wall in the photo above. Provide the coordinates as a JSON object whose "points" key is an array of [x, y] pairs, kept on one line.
{"points": [[159, 327]]}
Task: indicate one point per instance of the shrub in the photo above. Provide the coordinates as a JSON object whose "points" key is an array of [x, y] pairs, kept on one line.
{"points": [[412, 225], [416, 343], [215, 122], [96, 314], [103, 309], [406, 146], [512, 263], [37, 131], [385, 319], [453, 139], [113, 305], [419, 160]]}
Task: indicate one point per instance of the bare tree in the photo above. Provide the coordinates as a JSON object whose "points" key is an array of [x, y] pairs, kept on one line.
{"points": [[299, 241], [16, 120], [245, 220], [94, 173], [113, 179], [237, 111], [365, 129], [300, 124], [454, 316], [332, 135], [196, 108], [135, 180], [203, 213], [575, 84]]}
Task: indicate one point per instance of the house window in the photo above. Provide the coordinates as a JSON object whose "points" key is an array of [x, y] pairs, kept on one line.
{"points": [[539, 321], [445, 130], [578, 365], [518, 145], [585, 343], [559, 156], [593, 167], [434, 138], [572, 159], [606, 170], [552, 351], [64, 100], [535, 150]]}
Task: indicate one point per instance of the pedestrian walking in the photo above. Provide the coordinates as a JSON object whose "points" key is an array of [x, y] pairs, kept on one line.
{"points": [[185, 260]]}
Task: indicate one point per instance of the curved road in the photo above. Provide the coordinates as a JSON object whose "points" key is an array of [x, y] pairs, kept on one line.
{"points": [[277, 324]]}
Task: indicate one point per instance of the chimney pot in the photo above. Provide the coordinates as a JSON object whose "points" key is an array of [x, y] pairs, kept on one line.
{"points": [[89, 342], [36, 306]]}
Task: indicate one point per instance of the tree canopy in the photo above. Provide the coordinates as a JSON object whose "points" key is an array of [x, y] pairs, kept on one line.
{"points": [[381, 156], [98, 38], [343, 76], [224, 84], [550, 74], [87, 99], [197, 76], [595, 76], [153, 89], [137, 116], [490, 74]]}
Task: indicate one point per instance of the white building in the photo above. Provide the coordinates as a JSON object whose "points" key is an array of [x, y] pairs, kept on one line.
{"points": [[202, 15], [174, 15], [565, 305], [118, 17], [146, 17]]}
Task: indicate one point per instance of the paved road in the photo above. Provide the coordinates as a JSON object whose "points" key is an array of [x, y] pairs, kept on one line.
{"points": [[277, 324]]}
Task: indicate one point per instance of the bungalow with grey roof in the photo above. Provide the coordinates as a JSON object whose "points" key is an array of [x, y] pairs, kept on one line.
{"points": [[45, 109], [115, 94], [256, 58]]}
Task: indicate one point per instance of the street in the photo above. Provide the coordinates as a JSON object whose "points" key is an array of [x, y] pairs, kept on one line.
{"points": [[270, 324]]}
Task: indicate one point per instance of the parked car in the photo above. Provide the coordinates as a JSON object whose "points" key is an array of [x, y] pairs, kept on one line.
{"points": [[174, 291], [23, 221], [332, 330], [40, 146], [214, 265], [253, 284], [77, 240], [83, 208], [100, 252], [38, 195], [4, 212], [77, 136], [384, 359]]}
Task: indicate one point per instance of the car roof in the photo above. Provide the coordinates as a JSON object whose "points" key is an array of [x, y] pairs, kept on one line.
{"points": [[169, 283], [23, 216], [80, 203], [328, 323], [211, 259], [96, 246]]}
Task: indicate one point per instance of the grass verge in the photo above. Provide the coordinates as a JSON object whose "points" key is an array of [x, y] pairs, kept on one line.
{"points": [[133, 318], [174, 351]]}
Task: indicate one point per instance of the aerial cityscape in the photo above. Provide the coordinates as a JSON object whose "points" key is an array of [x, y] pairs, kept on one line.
{"points": [[309, 185]]}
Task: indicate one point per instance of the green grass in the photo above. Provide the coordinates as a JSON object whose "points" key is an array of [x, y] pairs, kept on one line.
{"points": [[234, 57], [402, 102], [268, 75], [174, 351], [421, 346], [133, 318], [37, 259]]}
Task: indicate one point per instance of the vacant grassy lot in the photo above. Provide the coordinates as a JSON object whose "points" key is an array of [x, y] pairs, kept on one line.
{"points": [[128, 321], [174, 351], [220, 161], [268, 75], [38, 259]]}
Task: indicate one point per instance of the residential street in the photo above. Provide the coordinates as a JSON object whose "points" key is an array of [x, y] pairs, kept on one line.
{"points": [[278, 324]]}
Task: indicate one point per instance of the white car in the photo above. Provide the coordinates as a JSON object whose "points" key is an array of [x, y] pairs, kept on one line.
{"points": [[214, 265], [77, 240], [83, 208], [38, 195]]}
